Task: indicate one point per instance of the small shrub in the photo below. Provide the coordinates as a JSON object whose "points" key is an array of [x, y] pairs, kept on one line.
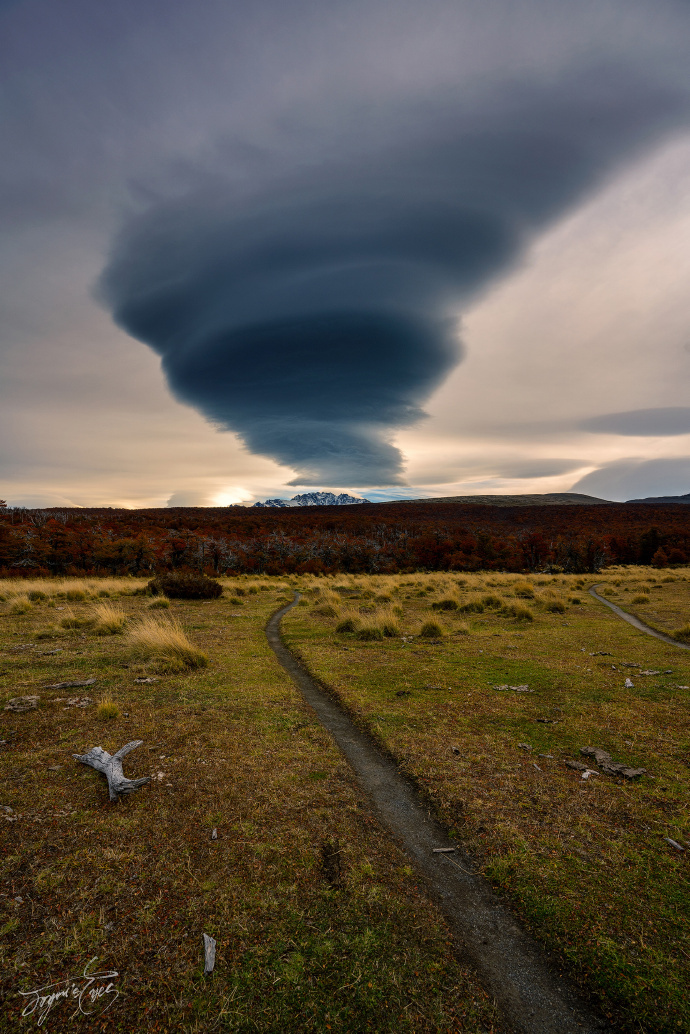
{"points": [[524, 590], [640, 599], [237, 602], [431, 630], [185, 587], [159, 603], [492, 600], [445, 604], [471, 607], [682, 634], [107, 708], [37, 595], [22, 605], [575, 600], [104, 594], [325, 610], [164, 639], [554, 606], [518, 611]]}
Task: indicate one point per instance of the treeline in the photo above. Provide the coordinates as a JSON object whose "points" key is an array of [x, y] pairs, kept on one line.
{"points": [[371, 538]]}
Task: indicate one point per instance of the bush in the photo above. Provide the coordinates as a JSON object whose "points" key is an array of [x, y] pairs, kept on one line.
{"points": [[431, 630], [21, 605], [446, 604], [185, 587], [75, 595], [37, 595], [682, 634], [471, 607], [640, 599], [491, 600], [325, 610], [554, 606], [160, 603]]}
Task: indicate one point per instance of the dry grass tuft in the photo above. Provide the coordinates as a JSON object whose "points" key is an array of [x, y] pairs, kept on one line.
{"points": [[107, 708], [524, 590], [163, 639], [71, 620], [109, 619], [21, 605], [431, 630], [159, 603], [518, 611]]}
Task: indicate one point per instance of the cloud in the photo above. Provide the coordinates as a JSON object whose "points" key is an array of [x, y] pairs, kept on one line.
{"points": [[651, 423], [637, 479], [308, 304]]}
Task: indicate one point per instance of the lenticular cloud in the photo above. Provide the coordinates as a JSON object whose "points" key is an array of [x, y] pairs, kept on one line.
{"points": [[312, 308]]}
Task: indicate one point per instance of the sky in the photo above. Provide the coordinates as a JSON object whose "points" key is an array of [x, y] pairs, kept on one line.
{"points": [[400, 249]]}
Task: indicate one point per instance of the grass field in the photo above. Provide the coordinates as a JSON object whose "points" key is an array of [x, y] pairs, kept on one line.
{"points": [[586, 862], [308, 939]]}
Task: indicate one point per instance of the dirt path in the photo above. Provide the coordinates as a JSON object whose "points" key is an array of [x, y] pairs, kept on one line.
{"points": [[515, 970], [632, 620]]}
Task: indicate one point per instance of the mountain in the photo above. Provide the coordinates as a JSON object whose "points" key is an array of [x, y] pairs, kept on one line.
{"points": [[547, 499], [315, 499], [663, 499]]}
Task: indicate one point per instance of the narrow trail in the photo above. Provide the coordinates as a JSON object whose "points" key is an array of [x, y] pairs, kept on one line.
{"points": [[632, 620], [514, 969]]}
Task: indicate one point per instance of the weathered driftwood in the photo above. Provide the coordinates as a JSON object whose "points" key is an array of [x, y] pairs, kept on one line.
{"points": [[111, 767], [610, 767], [209, 954], [70, 685]]}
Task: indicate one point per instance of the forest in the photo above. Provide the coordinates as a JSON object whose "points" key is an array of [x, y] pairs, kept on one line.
{"points": [[395, 537]]}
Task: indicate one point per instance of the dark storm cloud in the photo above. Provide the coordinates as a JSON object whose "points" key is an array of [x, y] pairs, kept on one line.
{"points": [[650, 423], [309, 310]]}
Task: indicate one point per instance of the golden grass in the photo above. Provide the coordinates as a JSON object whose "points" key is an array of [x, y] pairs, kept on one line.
{"points": [[159, 603], [107, 708], [109, 619], [163, 639]]}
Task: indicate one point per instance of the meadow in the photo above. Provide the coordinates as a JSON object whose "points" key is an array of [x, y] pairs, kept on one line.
{"points": [[427, 664], [319, 920], [319, 923]]}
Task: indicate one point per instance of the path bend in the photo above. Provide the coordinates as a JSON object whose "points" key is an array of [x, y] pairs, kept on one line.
{"points": [[635, 622], [532, 996]]}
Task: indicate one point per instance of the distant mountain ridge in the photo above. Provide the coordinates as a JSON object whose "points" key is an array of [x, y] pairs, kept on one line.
{"points": [[664, 499], [315, 499], [547, 499]]}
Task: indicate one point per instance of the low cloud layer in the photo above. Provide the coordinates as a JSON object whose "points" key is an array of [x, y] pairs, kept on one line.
{"points": [[637, 479], [647, 423], [310, 308]]}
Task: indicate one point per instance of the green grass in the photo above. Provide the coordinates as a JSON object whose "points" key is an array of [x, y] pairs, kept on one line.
{"points": [[137, 883], [584, 863]]}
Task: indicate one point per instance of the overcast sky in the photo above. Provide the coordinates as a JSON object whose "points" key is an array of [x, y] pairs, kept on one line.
{"points": [[392, 247]]}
